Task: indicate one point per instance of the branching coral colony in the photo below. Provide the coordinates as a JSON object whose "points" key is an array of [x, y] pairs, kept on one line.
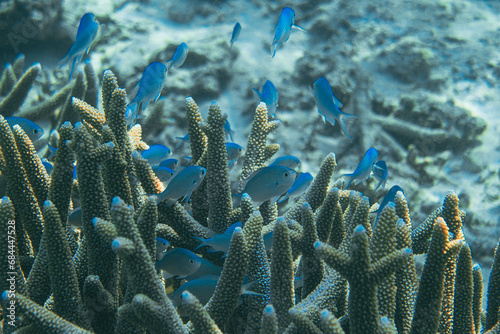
{"points": [[103, 280]]}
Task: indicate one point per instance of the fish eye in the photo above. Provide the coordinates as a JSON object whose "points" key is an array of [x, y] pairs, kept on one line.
{"points": [[194, 181], [35, 131], [202, 172], [191, 260], [286, 174]]}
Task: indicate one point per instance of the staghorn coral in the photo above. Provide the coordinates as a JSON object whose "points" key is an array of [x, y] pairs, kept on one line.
{"points": [[105, 280], [15, 86]]}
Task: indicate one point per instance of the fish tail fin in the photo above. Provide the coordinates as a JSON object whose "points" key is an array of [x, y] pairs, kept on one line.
{"points": [[349, 178], [63, 61], [342, 122], [131, 113], [248, 288], [200, 240], [378, 185], [282, 199], [144, 105], [298, 28], [236, 199], [258, 93], [169, 202], [169, 64], [231, 164], [75, 60], [274, 47], [344, 114]]}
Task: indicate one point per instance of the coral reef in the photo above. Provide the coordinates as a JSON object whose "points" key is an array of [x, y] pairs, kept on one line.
{"points": [[358, 277]]}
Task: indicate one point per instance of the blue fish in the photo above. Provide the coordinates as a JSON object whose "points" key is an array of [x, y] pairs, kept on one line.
{"points": [[202, 288], [206, 268], [231, 228], [163, 173], [364, 168], [283, 28], [268, 183], [234, 151], [182, 140], [75, 217], [169, 163], [218, 243], [389, 197], [236, 33], [161, 247], [178, 262], [269, 96], [32, 130], [289, 161], [268, 240], [328, 105], [228, 131], [48, 166], [381, 173], [149, 89], [182, 184], [87, 31], [53, 138], [156, 154], [300, 186], [52, 151], [179, 56]]}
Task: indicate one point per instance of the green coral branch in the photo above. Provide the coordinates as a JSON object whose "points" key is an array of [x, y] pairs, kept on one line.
{"points": [[78, 89], [364, 276], [269, 324], [255, 154], [463, 317], [330, 324], [311, 265], [39, 319], [431, 287], [218, 189], [228, 288], [316, 194], [101, 260], [12, 102], [201, 320], [20, 192], [35, 171], [282, 291], [493, 305], [258, 270], [61, 179], [141, 274], [406, 281], [64, 285]]}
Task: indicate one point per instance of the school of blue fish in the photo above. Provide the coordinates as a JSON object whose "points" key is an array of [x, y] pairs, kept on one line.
{"points": [[278, 182]]}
